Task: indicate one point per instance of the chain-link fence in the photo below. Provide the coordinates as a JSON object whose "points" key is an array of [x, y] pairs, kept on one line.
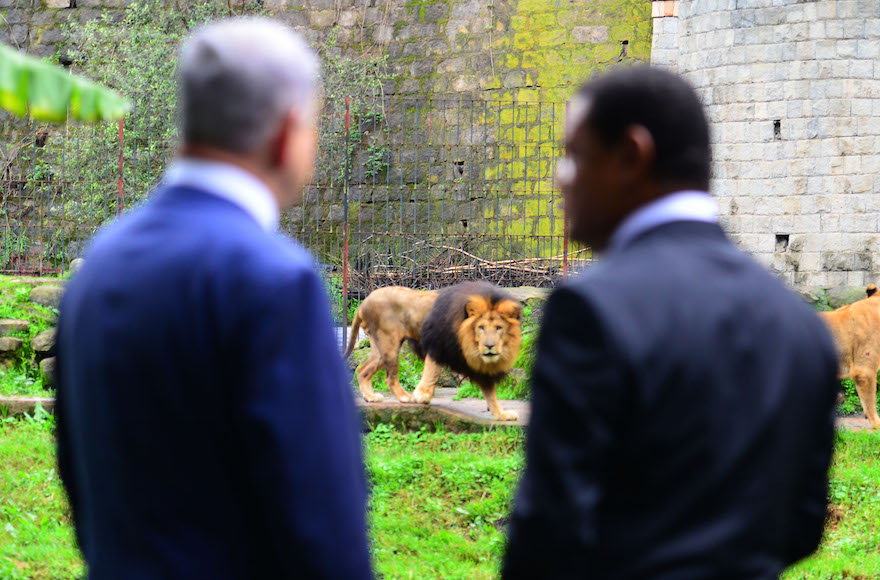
{"points": [[421, 192]]}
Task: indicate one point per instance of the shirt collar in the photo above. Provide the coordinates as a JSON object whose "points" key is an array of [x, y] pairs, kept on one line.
{"points": [[229, 182], [690, 205]]}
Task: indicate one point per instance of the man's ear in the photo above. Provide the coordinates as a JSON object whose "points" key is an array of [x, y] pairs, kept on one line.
{"points": [[283, 140], [638, 149]]}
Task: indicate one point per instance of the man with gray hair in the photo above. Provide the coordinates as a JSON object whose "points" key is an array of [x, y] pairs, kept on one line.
{"points": [[206, 426]]}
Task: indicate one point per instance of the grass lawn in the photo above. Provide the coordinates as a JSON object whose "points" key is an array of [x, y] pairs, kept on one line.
{"points": [[437, 510]]}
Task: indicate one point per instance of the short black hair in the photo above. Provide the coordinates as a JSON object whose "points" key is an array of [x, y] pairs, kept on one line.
{"points": [[667, 106]]}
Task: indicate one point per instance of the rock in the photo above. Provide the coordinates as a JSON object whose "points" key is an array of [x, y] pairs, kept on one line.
{"points": [[807, 296], [47, 368], [47, 295], [44, 343], [843, 295], [8, 326], [591, 34], [9, 345], [449, 379], [76, 265], [9, 350], [525, 294]]}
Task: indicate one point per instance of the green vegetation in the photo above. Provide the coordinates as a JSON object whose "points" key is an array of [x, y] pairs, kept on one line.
{"points": [[438, 507], [851, 547], [36, 537], [23, 377]]}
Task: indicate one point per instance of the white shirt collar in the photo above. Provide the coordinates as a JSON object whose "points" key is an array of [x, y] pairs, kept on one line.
{"points": [[229, 182], [679, 206]]}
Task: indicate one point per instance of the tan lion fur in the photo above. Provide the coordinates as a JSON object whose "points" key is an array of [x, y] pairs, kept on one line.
{"points": [[390, 316], [489, 337], [856, 330]]}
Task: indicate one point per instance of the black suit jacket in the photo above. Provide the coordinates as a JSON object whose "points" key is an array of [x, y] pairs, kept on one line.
{"points": [[682, 421]]}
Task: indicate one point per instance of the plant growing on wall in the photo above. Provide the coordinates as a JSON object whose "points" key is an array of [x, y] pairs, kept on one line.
{"points": [[137, 56]]}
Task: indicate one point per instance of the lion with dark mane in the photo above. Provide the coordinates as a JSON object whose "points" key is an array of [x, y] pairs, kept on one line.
{"points": [[473, 328]]}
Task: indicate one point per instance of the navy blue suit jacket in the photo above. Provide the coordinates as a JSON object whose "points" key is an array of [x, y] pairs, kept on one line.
{"points": [[682, 420], [206, 426]]}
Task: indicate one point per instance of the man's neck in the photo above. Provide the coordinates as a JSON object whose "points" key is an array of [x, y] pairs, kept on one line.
{"points": [[196, 152]]}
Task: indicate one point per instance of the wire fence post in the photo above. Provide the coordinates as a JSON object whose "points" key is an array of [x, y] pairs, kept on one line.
{"points": [[121, 159], [345, 232], [565, 221]]}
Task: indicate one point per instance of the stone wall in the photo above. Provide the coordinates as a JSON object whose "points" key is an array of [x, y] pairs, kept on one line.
{"points": [[792, 89], [491, 47]]}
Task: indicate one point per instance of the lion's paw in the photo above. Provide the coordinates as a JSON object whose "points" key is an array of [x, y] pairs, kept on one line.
{"points": [[421, 397], [507, 416], [405, 399], [374, 398]]}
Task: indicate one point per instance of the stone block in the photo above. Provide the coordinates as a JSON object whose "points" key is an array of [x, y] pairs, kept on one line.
{"points": [[88, 14], [47, 295], [9, 345], [869, 49], [409, 86], [843, 295], [57, 3], [349, 18], [434, 12], [322, 18], [297, 19], [10, 326], [466, 10], [48, 367], [383, 34], [596, 34], [75, 265], [50, 35], [43, 18], [465, 84], [513, 80], [452, 65], [421, 68], [825, 49], [44, 343]]}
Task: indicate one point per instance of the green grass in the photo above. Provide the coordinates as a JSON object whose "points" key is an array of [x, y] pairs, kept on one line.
{"points": [[851, 547], [36, 538], [24, 378], [438, 505]]}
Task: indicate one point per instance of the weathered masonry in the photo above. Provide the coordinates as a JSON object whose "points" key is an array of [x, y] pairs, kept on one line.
{"points": [[792, 88]]}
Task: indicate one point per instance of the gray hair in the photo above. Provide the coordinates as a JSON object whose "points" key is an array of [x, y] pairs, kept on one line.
{"points": [[239, 79]]}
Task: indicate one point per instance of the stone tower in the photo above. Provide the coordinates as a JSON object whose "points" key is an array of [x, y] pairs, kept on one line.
{"points": [[792, 89]]}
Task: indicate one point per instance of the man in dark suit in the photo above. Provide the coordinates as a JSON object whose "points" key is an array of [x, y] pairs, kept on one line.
{"points": [[683, 399], [206, 426]]}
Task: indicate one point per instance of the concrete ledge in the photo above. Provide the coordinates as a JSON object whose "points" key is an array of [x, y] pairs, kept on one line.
{"points": [[412, 417], [465, 416], [20, 405]]}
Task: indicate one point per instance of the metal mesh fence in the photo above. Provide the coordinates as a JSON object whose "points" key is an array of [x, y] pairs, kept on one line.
{"points": [[421, 192]]}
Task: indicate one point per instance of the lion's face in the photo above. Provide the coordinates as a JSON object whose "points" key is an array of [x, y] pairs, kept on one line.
{"points": [[490, 336]]}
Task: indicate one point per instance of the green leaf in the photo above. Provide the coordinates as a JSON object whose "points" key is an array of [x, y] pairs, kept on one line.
{"points": [[13, 82], [84, 101], [111, 106], [50, 89]]}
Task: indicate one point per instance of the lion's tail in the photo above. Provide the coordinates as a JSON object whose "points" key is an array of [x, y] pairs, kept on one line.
{"points": [[871, 290], [356, 323]]}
